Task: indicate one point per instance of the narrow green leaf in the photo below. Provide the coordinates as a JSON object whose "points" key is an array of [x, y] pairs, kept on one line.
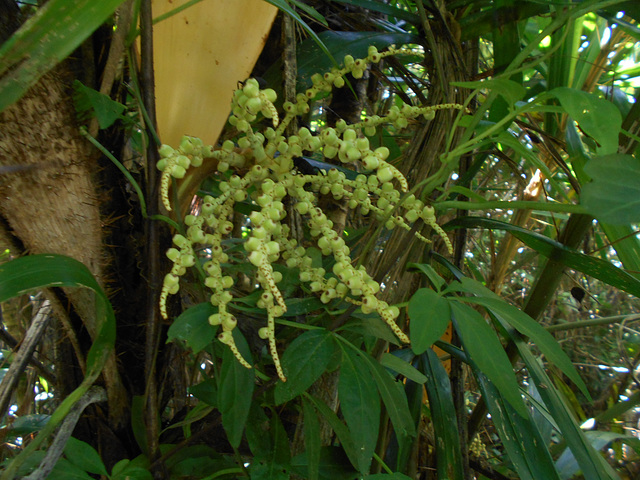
{"points": [[84, 456], [483, 346], [429, 315], [597, 117], [360, 406], [436, 280], [342, 432], [511, 91], [380, 7], [443, 415], [536, 333], [519, 435], [613, 195], [617, 410], [192, 327], [57, 28], [394, 398], [235, 390], [303, 362], [594, 267], [311, 439], [593, 466], [402, 367]]}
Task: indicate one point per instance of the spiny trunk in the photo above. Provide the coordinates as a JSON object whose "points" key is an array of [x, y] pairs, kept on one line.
{"points": [[49, 200]]}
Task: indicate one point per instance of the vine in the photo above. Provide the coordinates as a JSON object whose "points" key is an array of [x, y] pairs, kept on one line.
{"points": [[260, 167]]}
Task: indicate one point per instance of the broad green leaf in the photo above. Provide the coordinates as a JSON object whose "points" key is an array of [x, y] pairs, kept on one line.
{"points": [[613, 195], [107, 111], [519, 435], [84, 456], [341, 431], [235, 390], [47, 38], [302, 306], [370, 324], [598, 118], [206, 391], [394, 398], [511, 91], [443, 415], [258, 427], [25, 274], [303, 362], [192, 327], [535, 332], [429, 315], [25, 425], [594, 267], [402, 367], [482, 344], [592, 465], [311, 439], [65, 470], [360, 406]]}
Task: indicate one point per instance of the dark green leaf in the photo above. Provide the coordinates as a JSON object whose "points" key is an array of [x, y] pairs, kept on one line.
{"points": [[429, 315], [394, 399], [84, 456], [311, 439], [341, 431], [193, 327], [235, 390], [65, 470], [536, 333], [483, 346], [400, 366], [613, 195], [107, 111], [388, 476], [274, 466], [385, 9], [371, 324], [302, 306], [518, 434], [334, 465], [303, 362], [360, 406], [436, 280], [28, 424], [598, 118], [443, 416], [206, 391], [594, 267]]}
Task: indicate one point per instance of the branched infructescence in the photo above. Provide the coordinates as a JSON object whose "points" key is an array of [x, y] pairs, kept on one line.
{"points": [[261, 167]]}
